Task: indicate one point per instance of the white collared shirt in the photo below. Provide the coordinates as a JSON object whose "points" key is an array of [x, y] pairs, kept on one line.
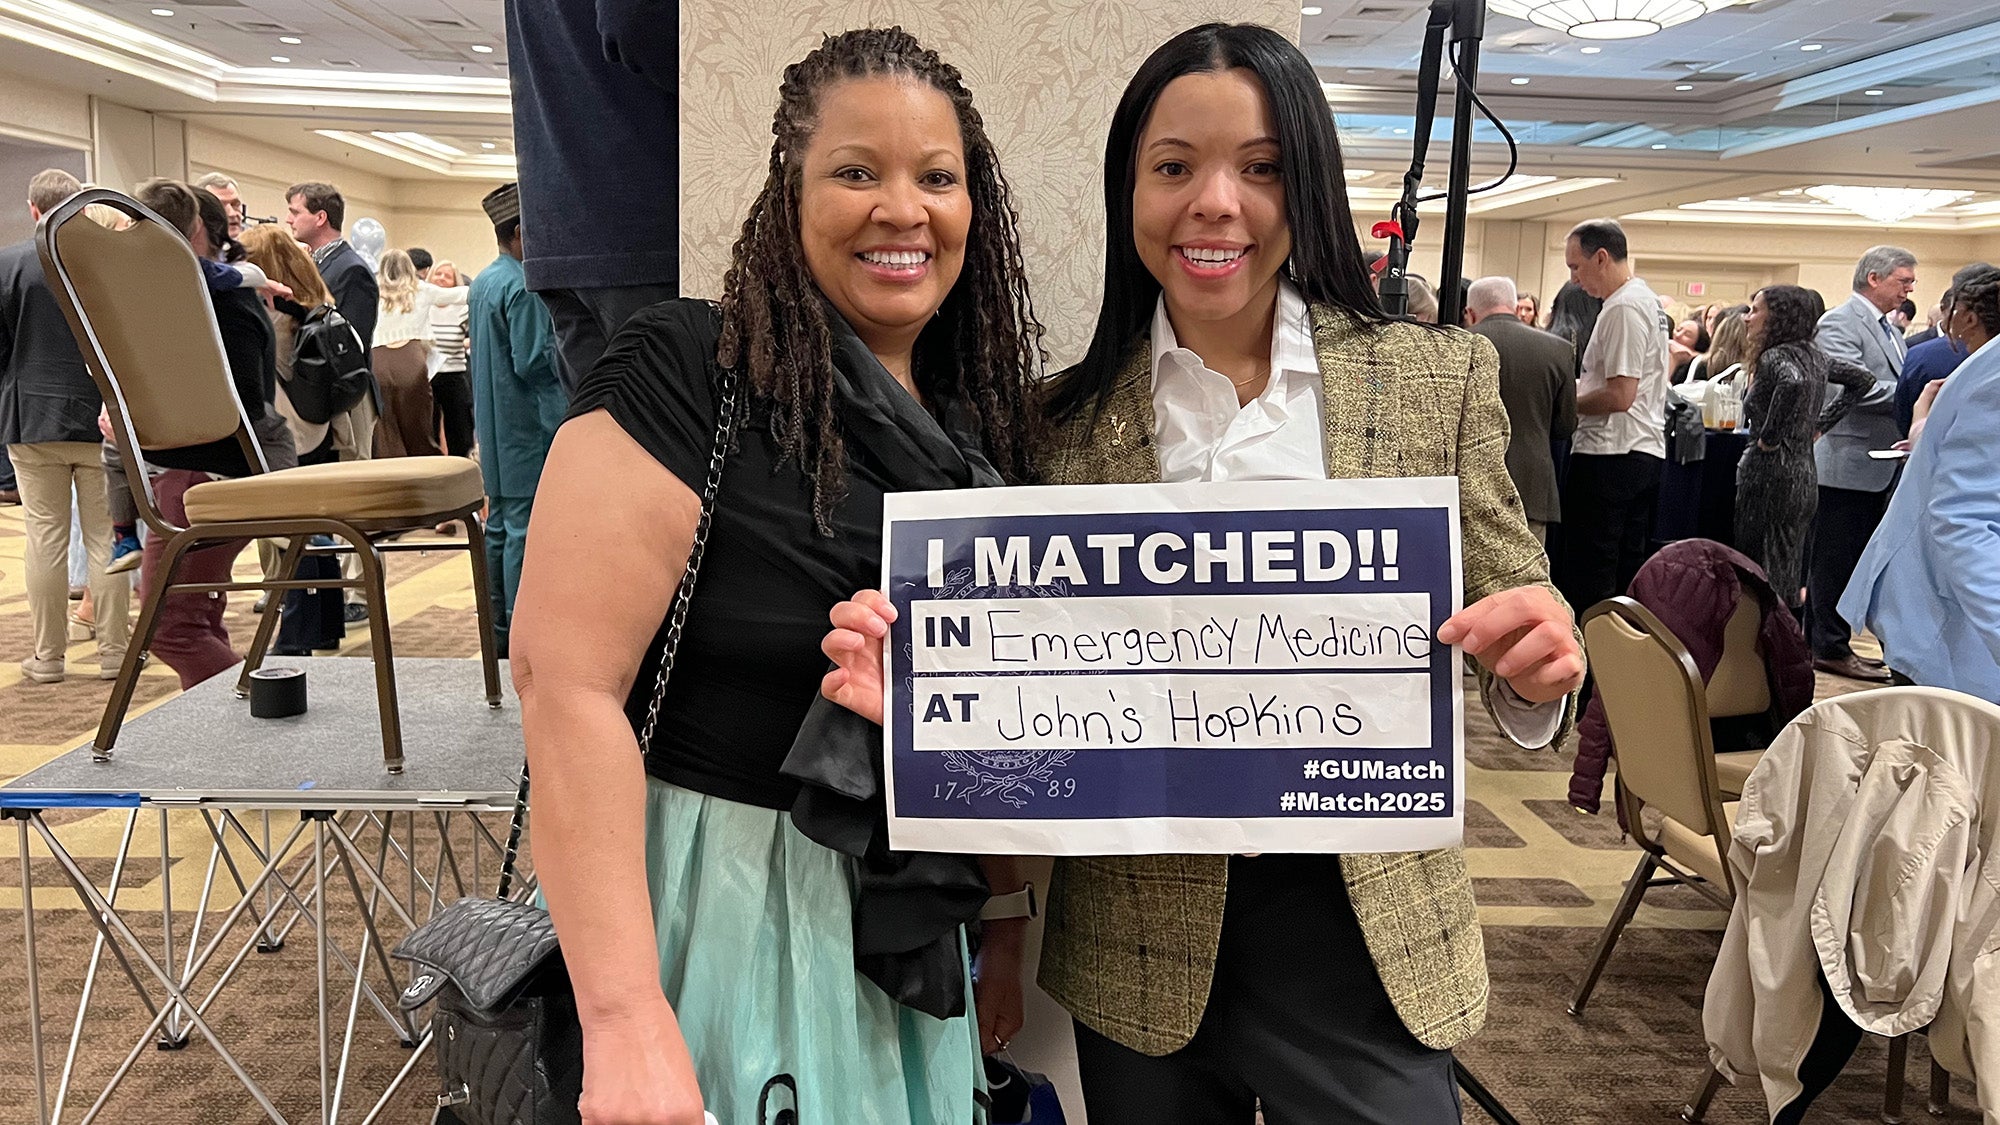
{"points": [[1204, 434]]}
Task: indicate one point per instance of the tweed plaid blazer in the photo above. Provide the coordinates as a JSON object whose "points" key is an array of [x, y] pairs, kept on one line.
{"points": [[1131, 941]]}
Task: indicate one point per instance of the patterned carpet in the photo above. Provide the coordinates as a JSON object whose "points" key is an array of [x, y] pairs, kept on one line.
{"points": [[1546, 879]]}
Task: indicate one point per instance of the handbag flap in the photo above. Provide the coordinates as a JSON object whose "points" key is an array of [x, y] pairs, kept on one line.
{"points": [[488, 947]]}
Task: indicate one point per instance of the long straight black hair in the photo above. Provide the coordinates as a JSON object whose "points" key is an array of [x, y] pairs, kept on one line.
{"points": [[1326, 263]]}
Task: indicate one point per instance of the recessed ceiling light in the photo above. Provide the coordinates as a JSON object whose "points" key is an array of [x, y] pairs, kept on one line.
{"points": [[1399, 132], [290, 40], [1872, 93], [163, 12], [1518, 81], [1657, 148], [1685, 87], [487, 144], [1592, 50], [1742, 199], [1812, 46], [281, 58], [1311, 10], [1793, 191], [481, 49]]}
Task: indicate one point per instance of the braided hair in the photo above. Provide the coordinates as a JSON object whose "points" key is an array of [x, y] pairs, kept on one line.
{"points": [[983, 348], [1979, 294]]}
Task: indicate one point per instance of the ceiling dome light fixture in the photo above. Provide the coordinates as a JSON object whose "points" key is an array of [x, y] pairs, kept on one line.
{"points": [[1607, 19], [1885, 205]]}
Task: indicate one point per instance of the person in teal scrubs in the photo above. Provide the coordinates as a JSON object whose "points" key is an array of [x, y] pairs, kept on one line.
{"points": [[517, 400]]}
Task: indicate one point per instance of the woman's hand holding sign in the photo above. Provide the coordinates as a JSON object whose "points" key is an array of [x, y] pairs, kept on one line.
{"points": [[1524, 636], [855, 647]]}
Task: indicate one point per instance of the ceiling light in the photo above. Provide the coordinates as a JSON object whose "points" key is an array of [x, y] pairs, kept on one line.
{"points": [[1593, 50], [1812, 46], [1885, 205], [281, 58], [1311, 10], [1793, 191], [487, 144], [1657, 148], [1399, 132], [1685, 87], [1742, 199], [1518, 81], [422, 143], [1872, 93], [481, 49], [290, 40], [1607, 19], [163, 12]]}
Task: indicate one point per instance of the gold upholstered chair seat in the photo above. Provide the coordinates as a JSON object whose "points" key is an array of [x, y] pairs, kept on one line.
{"points": [[397, 488]]}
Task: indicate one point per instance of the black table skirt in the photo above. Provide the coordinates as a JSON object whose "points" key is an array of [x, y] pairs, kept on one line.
{"points": [[1698, 499]]}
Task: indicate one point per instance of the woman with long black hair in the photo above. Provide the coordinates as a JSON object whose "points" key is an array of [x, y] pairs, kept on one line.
{"points": [[1239, 340], [1777, 485]]}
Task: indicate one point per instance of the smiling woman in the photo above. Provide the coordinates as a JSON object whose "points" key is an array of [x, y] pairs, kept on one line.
{"points": [[874, 335]]}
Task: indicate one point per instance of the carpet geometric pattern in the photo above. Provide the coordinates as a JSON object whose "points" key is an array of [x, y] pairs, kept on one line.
{"points": [[1546, 877]]}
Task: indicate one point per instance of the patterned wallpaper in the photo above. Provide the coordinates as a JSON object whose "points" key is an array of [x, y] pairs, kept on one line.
{"points": [[1045, 74]]}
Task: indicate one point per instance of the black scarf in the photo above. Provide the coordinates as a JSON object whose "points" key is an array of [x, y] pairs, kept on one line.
{"points": [[909, 906]]}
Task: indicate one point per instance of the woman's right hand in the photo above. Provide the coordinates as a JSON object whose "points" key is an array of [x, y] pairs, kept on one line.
{"points": [[855, 646], [997, 992], [637, 1071]]}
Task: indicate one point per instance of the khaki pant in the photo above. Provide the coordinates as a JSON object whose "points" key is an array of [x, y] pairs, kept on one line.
{"points": [[48, 471], [353, 440]]}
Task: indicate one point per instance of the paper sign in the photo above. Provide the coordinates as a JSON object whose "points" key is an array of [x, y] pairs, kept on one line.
{"points": [[1202, 668]]}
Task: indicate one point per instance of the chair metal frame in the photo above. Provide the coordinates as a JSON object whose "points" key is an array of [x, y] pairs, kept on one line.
{"points": [[1631, 806], [367, 539]]}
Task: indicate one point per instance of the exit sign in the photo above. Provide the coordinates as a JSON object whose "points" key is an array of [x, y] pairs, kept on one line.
{"points": [[1697, 288]]}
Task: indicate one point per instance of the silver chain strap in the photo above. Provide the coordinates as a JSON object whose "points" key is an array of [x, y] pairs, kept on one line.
{"points": [[725, 432]]}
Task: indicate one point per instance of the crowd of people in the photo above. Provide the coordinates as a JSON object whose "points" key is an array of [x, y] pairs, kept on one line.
{"points": [[1832, 401], [464, 366]]}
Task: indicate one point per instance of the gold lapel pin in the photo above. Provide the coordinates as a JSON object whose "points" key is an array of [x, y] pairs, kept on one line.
{"points": [[1117, 429]]}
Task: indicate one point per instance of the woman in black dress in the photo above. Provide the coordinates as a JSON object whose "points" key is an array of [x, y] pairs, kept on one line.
{"points": [[1777, 485]]}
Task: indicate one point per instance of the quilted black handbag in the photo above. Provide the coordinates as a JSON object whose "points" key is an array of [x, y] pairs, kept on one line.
{"points": [[509, 1047]]}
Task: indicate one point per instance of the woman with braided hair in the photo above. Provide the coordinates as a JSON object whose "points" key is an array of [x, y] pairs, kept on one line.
{"points": [[874, 335], [1968, 325], [1927, 585], [1777, 485]]}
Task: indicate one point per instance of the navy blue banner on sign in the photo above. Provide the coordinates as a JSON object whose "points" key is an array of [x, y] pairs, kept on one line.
{"points": [[1134, 669]]}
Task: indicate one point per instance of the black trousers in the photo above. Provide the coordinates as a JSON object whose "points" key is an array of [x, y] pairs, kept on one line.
{"points": [[451, 408], [1846, 518], [1297, 1021], [586, 319], [1607, 524]]}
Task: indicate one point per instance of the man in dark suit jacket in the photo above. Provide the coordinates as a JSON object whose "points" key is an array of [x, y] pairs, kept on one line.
{"points": [[315, 212], [1538, 387], [48, 423]]}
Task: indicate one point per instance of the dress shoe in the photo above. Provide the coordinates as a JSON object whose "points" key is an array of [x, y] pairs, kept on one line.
{"points": [[1870, 662], [355, 614], [1852, 668]]}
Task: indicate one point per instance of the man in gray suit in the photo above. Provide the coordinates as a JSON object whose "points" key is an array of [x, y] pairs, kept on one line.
{"points": [[1538, 387], [1854, 487]]}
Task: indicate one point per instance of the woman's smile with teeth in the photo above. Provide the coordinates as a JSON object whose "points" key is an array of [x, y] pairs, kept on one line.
{"points": [[895, 257], [1212, 256]]}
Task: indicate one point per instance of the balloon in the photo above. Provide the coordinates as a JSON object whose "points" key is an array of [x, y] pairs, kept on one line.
{"points": [[369, 240]]}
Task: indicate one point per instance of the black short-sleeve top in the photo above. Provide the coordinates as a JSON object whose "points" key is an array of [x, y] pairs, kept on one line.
{"points": [[749, 663]]}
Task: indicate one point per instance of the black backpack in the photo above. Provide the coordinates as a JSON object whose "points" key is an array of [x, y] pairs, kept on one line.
{"points": [[329, 366]]}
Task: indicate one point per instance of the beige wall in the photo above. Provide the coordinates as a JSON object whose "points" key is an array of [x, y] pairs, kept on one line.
{"points": [[1044, 73], [442, 216]]}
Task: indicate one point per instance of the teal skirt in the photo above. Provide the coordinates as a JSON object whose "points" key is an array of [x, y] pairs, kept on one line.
{"points": [[756, 933]]}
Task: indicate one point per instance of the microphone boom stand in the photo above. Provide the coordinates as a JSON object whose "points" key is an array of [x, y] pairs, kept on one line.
{"points": [[1465, 21]]}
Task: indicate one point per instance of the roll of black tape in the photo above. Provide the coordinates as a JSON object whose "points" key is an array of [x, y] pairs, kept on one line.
{"points": [[277, 693]]}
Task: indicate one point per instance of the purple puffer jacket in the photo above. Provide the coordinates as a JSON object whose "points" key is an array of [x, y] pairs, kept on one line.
{"points": [[1691, 586]]}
